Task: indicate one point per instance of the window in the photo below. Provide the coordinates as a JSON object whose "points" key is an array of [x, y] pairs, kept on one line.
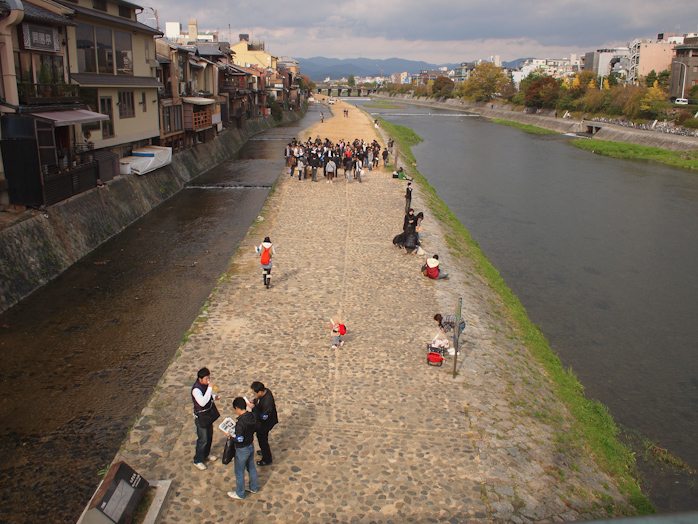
{"points": [[126, 107], [85, 43], [105, 53], [124, 53], [49, 69], [143, 102], [100, 5], [171, 119], [105, 107], [147, 51], [125, 12]]}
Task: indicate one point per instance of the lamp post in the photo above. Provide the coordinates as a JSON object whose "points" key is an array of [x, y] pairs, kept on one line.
{"points": [[683, 84]]}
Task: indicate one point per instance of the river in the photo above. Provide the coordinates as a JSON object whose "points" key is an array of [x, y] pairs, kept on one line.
{"points": [[602, 254], [82, 354]]}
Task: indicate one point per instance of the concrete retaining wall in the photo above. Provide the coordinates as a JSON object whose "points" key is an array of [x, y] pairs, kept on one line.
{"points": [[36, 250], [546, 120]]}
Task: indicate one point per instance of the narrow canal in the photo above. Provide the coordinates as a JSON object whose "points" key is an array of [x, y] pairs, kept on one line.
{"points": [[82, 355], [603, 255]]}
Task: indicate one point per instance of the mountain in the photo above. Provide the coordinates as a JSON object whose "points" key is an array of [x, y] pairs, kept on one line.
{"points": [[318, 68], [514, 64]]}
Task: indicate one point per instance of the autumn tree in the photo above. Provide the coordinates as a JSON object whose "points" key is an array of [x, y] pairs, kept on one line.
{"points": [[352, 81], [663, 79], [485, 81], [654, 95], [543, 92], [443, 86], [651, 78]]}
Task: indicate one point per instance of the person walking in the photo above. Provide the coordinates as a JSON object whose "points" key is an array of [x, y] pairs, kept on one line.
{"points": [[385, 158], [245, 427], [205, 414], [264, 407], [336, 333], [266, 250]]}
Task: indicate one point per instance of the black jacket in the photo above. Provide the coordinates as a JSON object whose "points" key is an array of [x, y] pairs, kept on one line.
{"points": [[244, 429], [265, 409]]}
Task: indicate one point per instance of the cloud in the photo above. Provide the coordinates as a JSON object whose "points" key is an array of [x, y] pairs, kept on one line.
{"points": [[436, 31]]}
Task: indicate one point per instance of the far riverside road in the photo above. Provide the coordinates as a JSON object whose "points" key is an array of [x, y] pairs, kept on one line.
{"points": [[367, 432]]}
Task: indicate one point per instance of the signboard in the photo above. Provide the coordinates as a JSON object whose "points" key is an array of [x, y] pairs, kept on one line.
{"points": [[40, 38], [119, 494]]}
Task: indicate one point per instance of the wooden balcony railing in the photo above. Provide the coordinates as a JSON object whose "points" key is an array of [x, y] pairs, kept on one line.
{"points": [[42, 94]]}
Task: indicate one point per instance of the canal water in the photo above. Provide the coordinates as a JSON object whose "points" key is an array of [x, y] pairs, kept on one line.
{"points": [[81, 356], [601, 252]]}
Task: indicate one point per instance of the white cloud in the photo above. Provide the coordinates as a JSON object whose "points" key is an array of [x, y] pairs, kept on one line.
{"points": [[437, 31]]}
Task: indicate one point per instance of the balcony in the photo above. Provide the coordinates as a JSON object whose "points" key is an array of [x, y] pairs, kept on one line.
{"points": [[44, 94]]}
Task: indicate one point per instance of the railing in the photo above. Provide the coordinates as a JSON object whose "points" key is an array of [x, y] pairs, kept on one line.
{"points": [[202, 120], [40, 94]]}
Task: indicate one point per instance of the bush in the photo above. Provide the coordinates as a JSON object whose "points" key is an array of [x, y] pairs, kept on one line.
{"points": [[277, 112], [691, 123]]}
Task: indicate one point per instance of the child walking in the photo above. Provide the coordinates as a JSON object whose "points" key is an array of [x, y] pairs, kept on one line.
{"points": [[337, 329]]}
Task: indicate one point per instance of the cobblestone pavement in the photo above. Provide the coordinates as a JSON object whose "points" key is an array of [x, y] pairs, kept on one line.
{"points": [[368, 432]]}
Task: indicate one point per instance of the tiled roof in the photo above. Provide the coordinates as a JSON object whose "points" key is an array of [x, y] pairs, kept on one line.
{"points": [[92, 13], [94, 79], [39, 14]]}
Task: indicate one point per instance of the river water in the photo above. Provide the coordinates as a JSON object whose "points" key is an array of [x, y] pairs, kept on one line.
{"points": [[601, 252], [82, 355]]}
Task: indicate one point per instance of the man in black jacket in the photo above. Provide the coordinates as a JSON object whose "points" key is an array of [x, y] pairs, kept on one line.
{"points": [[265, 409], [244, 450]]}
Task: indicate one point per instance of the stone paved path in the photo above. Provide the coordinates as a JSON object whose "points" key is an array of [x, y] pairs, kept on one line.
{"points": [[367, 432]]}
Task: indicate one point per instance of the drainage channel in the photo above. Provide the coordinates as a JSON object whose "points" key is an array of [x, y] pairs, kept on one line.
{"points": [[230, 186]]}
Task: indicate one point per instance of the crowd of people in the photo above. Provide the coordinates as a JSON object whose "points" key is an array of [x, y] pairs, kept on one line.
{"points": [[306, 159]]}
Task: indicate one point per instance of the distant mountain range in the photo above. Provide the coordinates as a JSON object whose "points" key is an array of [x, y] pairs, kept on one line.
{"points": [[318, 68]]}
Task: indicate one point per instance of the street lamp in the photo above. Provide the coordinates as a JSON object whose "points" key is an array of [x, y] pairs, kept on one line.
{"points": [[683, 84]]}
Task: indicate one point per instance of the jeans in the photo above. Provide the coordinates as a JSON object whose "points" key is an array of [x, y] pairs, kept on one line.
{"points": [[385, 162], [244, 460], [314, 179], [204, 437]]}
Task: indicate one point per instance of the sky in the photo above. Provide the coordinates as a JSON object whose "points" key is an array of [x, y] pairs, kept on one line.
{"points": [[435, 31]]}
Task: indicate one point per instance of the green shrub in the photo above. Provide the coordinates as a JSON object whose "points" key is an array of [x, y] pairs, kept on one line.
{"points": [[691, 122]]}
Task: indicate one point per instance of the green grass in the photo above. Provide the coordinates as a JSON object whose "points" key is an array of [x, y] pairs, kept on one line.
{"points": [[383, 105], [625, 151], [524, 127], [592, 424]]}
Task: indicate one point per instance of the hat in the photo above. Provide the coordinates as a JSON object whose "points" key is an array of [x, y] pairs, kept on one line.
{"points": [[432, 263]]}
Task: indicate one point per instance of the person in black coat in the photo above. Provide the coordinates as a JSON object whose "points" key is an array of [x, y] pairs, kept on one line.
{"points": [[264, 407]]}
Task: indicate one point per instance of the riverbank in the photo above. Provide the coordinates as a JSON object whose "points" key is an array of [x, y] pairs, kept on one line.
{"points": [[368, 431], [601, 130], [37, 249]]}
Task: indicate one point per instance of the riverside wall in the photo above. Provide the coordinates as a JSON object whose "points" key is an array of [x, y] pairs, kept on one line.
{"points": [[547, 120], [36, 250]]}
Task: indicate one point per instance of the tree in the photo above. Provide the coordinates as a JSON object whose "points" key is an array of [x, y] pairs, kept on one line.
{"points": [[352, 81], [612, 80], [694, 92], [544, 92], [485, 81], [443, 86], [654, 95], [663, 78], [651, 78]]}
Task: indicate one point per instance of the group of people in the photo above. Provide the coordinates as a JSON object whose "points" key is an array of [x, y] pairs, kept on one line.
{"points": [[258, 416], [305, 159]]}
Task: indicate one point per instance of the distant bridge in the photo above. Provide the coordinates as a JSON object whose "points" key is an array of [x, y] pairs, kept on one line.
{"points": [[336, 90]]}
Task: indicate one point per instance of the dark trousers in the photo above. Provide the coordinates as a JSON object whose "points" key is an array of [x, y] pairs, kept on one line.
{"points": [[263, 441], [204, 438]]}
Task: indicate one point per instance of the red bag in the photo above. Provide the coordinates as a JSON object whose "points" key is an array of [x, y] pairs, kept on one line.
{"points": [[342, 329], [266, 256], [435, 359]]}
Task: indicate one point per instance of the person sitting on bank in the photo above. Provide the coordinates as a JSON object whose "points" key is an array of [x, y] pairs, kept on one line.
{"points": [[431, 269]]}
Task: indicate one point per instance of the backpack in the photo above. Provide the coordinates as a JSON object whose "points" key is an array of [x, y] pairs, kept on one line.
{"points": [[342, 329], [266, 256]]}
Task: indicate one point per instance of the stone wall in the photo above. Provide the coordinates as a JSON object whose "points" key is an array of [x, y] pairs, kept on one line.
{"points": [[547, 120], [36, 250]]}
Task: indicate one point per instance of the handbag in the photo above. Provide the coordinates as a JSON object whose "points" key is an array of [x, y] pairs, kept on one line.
{"points": [[209, 416], [228, 451]]}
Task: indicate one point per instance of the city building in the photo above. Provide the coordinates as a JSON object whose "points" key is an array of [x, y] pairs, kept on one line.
{"points": [[646, 56], [603, 62], [249, 53], [684, 67]]}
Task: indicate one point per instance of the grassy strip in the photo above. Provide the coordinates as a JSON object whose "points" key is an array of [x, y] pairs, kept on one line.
{"points": [[524, 127], [685, 159], [383, 105], [591, 422]]}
